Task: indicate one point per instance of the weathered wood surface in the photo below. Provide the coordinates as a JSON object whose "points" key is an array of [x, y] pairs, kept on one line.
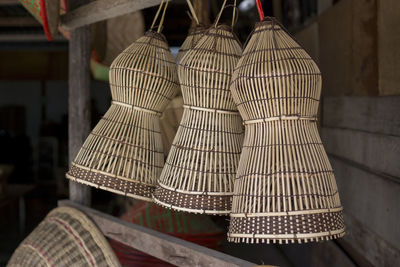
{"points": [[365, 246], [309, 40], [370, 114], [159, 245], [101, 10], [317, 254], [329, 254], [388, 49], [362, 139], [348, 48], [78, 100], [374, 203], [377, 153]]}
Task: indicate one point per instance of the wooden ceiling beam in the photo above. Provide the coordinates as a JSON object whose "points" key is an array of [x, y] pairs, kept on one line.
{"points": [[18, 21], [101, 10], [9, 2]]}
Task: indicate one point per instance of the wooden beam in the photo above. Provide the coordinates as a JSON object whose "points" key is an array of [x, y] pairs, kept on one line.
{"points": [[369, 114], [9, 2], [101, 10], [78, 101], [156, 244], [18, 21]]}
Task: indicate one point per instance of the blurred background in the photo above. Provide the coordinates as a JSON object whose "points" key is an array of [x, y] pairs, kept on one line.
{"points": [[354, 42]]}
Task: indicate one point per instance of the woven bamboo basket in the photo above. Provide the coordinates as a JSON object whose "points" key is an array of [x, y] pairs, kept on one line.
{"points": [[66, 237], [200, 168], [124, 152], [285, 190]]}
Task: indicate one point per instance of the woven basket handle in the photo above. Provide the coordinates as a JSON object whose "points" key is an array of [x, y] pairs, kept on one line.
{"points": [[234, 15], [165, 3], [192, 11]]}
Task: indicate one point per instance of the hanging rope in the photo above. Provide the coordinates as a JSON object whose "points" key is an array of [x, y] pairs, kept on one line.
{"points": [[222, 9], [158, 13], [192, 11], [260, 10], [162, 17]]}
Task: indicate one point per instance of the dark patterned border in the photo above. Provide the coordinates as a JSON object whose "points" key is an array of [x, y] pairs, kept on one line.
{"points": [[326, 225], [209, 204], [109, 183]]}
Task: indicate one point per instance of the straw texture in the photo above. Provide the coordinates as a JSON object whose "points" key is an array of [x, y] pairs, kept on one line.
{"points": [[285, 190], [124, 152], [199, 171], [66, 237]]}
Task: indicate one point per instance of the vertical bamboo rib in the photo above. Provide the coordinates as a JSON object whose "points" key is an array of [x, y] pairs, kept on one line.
{"points": [[195, 33], [284, 190], [124, 154]]}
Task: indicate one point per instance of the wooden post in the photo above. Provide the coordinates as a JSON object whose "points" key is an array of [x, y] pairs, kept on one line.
{"points": [[78, 100], [202, 11]]}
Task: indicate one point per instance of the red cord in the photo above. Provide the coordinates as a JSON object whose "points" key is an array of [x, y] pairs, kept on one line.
{"points": [[260, 10], [43, 15]]}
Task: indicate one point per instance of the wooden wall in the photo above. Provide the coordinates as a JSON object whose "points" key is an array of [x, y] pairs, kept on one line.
{"points": [[362, 138], [356, 43], [356, 46]]}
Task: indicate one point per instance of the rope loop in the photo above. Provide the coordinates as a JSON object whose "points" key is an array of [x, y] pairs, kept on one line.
{"points": [[234, 15], [165, 3]]}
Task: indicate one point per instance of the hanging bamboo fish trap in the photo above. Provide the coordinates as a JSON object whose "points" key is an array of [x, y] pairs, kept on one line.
{"points": [[199, 171], [195, 33], [124, 152], [66, 237], [285, 189]]}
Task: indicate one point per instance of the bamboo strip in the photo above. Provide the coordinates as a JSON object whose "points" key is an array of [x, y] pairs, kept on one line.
{"points": [[195, 33]]}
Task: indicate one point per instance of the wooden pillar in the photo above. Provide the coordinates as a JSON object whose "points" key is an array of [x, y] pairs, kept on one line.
{"points": [[78, 100], [202, 11]]}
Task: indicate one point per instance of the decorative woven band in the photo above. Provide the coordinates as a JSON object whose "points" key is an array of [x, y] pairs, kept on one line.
{"points": [[212, 110], [280, 118], [298, 227], [109, 183], [136, 107], [207, 204]]}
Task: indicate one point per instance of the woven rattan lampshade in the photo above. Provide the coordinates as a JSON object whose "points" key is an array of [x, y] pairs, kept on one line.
{"points": [[199, 171], [66, 237], [124, 152], [285, 190]]}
